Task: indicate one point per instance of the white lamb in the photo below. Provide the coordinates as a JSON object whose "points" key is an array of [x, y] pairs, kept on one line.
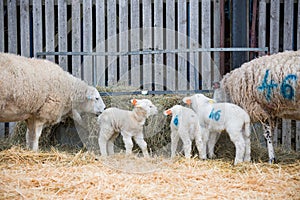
{"points": [[185, 125], [129, 123], [217, 117]]}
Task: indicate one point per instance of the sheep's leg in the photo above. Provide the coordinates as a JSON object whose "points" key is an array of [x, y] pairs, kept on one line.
{"points": [[139, 139], [238, 141], [268, 135], [199, 145], [213, 138], [33, 133], [187, 147], [128, 143], [247, 156], [102, 140], [205, 138], [110, 147], [174, 142]]}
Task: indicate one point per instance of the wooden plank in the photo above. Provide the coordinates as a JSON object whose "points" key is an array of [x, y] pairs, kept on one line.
{"points": [[24, 28], [287, 45], [147, 44], [217, 36], [100, 41], [194, 43], [297, 135], [262, 25], [2, 26], [62, 33], [37, 27], [76, 38], [112, 42], [274, 26], [49, 23], [170, 44], [12, 26], [135, 43], [222, 36], [182, 44], [158, 44], [2, 130], [206, 38], [87, 41], [123, 27]]}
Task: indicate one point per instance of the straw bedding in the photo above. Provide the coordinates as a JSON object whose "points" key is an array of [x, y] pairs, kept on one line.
{"points": [[78, 175]]}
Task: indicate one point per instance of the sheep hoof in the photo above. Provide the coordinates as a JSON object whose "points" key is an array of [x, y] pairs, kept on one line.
{"points": [[272, 161]]}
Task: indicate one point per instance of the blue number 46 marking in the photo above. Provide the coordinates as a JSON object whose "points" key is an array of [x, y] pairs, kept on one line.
{"points": [[215, 115], [267, 86]]}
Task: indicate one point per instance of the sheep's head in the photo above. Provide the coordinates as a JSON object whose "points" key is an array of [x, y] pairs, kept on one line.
{"points": [[197, 100], [94, 103], [174, 110], [146, 105]]}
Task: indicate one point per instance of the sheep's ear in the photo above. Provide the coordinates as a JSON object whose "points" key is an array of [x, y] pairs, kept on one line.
{"points": [[133, 101], [187, 100], [168, 112]]}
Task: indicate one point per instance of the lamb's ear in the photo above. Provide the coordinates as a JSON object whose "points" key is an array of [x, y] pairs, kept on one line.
{"points": [[133, 101], [168, 112], [211, 101], [187, 100]]}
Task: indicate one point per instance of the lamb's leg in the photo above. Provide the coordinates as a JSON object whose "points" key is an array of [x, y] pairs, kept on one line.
{"points": [[268, 135], [102, 140], [213, 138], [187, 147], [174, 142], [199, 145], [139, 139], [33, 133], [238, 140], [205, 138], [128, 143], [110, 147]]}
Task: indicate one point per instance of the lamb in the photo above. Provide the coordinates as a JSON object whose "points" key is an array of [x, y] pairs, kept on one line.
{"points": [[129, 123], [267, 88], [185, 125], [216, 117], [41, 93]]}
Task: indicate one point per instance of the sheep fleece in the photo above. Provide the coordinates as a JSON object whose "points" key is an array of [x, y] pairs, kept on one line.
{"points": [[37, 87], [269, 85]]}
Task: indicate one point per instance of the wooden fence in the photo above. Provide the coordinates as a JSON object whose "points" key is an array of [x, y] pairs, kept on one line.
{"points": [[28, 27]]}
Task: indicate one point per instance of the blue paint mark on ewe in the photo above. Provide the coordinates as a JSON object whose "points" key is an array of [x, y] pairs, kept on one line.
{"points": [[267, 86], [175, 121], [287, 91], [215, 115]]}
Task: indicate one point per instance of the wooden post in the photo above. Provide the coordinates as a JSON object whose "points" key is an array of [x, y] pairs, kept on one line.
{"points": [[100, 41], [287, 45], [147, 45], [49, 23], [298, 47], [262, 25], [217, 32], [76, 38], [24, 21], [62, 33], [135, 43], [182, 44], [37, 27], [206, 43], [170, 44], [194, 43], [253, 29], [87, 41], [123, 42], [158, 44], [222, 36]]}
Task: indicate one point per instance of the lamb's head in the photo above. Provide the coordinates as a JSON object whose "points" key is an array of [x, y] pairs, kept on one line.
{"points": [[146, 105], [197, 100], [93, 103], [174, 110]]}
